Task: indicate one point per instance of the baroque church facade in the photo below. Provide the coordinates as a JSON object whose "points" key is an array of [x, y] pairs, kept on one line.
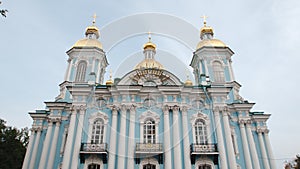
{"points": [[149, 118]]}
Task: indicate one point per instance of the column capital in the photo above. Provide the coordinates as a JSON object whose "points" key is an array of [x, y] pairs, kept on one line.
{"points": [[132, 108], [175, 108], [166, 109], [216, 109], [184, 110], [123, 108], [242, 122], [114, 110]]}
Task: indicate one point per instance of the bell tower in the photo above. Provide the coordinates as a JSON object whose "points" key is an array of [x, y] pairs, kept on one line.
{"points": [[212, 59], [87, 61]]}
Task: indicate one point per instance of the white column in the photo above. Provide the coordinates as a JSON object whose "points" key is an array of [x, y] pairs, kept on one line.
{"points": [[252, 146], [167, 141], [269, 149], [229, 144], [77, 144], [245, 145], [122, 139], [35, 148], [53, 145], [131, 139], [28, 151], [176, 138], [113, 137], [46, 145], [186, 141], [230, 70], [68, 72], [263, 150], [220, 140], [68, 147]]}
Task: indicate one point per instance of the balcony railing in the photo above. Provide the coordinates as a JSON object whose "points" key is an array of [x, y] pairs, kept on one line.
{"points": [[205, 149], [88, 149], [146, 150], [149, 148], [93, 148]]}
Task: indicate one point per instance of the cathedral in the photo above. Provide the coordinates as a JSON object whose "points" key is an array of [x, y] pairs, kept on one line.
{"points": [[149, 118]]}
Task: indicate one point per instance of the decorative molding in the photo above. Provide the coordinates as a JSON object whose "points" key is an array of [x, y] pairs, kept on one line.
{"points": [[149, 114]]}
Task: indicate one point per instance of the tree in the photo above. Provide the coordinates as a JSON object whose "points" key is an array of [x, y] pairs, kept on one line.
{"points": [[3, 12], [295, 164], [13, 144]]}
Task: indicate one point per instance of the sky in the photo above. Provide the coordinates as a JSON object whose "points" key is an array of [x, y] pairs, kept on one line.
{"points": [[263, 34]]}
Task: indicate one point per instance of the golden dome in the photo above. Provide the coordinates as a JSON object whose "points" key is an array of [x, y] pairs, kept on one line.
{"points": [[210, 43], [149, 45], [188, 82], [206, 29], [86, 42], [149, 63], [92, 30], [109, 82]]}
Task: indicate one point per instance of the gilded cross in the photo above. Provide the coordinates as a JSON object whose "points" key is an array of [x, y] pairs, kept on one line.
{"points": [[94, 20], [204, 19], [149, 36]]}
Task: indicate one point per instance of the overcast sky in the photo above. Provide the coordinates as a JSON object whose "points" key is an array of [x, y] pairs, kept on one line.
{"points": [[265, 36]]}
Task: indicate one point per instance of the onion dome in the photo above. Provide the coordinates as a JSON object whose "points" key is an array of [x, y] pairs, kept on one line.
{"points": [[149, 62], [206, 36], [188, 82], [92, 35]]}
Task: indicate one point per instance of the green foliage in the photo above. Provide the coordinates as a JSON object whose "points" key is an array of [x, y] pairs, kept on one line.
{"points": [[295, 164], [3, 12], [13, 144]]}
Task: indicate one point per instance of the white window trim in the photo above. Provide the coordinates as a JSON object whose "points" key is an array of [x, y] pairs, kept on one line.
{"points": [[143, 118], [92, 118], [93, 160], [202, 161], [152, 161], [205, 118], [213, 69]]}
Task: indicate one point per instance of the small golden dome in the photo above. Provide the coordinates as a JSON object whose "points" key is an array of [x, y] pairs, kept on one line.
{"points": [[188, 82], [92, 30], [86, 42], [149, 63], [149, 45], [210, 43], [109, 82], [206, 29]]}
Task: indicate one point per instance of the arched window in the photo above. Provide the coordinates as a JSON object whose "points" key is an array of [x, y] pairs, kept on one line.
{"points": [[94, 166], [97, 131], [149, 131], [149, 166], [200, 132], [218, 72], [204, 166], [81, 71]]}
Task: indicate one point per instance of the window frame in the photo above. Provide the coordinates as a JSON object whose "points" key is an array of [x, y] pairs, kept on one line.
{"points": [[218, 71], [81, 69]]}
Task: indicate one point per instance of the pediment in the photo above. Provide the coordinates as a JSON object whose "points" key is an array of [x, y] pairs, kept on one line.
{"points": [[150, 77]]}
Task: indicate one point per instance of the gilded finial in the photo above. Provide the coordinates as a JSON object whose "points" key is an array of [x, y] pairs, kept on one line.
{"points": [[110, 81], [204, 19], [94, 19], [149, 36], [110, 74]]}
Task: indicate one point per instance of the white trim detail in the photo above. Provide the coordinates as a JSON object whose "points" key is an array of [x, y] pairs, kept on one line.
{"points": [[202, 161], [205, 118], [92, 118], [93, 160], [152, 161], [143, 118]]}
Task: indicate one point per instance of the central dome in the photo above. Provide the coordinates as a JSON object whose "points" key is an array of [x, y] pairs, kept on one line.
{"points": [[149, 64]]}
